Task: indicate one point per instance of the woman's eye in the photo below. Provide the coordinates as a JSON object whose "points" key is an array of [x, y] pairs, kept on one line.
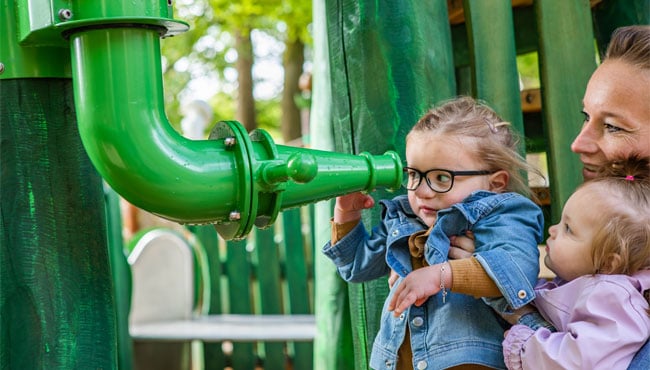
{"points": [[611, 128], [586, 116]]}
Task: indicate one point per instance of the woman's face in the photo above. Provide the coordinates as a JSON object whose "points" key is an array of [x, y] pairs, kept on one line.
{"points": [[617, 115]]}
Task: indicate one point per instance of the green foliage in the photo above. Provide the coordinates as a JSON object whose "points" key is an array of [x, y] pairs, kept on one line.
{"points": [[528, 67], [207, 50], [269, 116]]}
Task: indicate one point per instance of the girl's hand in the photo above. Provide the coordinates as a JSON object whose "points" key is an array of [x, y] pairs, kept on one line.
{"points": [[348, 207], [418, 286]]}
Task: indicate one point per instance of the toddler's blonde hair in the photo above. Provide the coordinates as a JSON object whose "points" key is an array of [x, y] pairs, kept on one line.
{"points": [[485, 134]]}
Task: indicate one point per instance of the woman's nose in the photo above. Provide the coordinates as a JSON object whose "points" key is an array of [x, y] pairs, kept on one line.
{"points": [[585, 142]]}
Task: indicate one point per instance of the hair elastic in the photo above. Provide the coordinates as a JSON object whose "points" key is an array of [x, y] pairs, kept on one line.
{"points": [[495, 126], [629, 178]]}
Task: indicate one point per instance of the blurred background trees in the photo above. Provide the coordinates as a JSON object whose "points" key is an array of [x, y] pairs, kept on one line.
{"points": [[244, 58]]}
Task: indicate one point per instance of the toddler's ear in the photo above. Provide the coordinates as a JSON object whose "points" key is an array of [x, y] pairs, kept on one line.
{"points": [[499, 181]]}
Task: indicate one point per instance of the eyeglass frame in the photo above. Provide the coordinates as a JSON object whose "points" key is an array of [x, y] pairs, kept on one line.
{"points": [[453, 174]]}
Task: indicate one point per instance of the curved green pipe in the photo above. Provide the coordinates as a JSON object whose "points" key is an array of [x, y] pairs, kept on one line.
{"points": [[234, 180], [117, 79]]}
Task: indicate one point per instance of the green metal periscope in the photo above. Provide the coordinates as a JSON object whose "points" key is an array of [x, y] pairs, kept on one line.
{"points": [[234, 180]]}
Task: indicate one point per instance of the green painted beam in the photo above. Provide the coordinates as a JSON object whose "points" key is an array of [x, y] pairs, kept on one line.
{"points": [[494, 58], [390, 62], [611, 14], [567, 58], [333, 345], [57, 309]]}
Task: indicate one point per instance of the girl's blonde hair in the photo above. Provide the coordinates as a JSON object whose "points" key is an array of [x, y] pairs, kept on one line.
{"points": [[486, 135], [622, 243]]}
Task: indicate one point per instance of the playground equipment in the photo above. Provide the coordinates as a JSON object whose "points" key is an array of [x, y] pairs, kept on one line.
{"points": [[386, 63], [234, 180]]}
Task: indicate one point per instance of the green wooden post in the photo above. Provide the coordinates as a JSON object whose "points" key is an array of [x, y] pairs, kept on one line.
{"points": [[333, 346], [494, 58], [390, 61], [213, 355], [611, 14], [297, 272], [56, 294], [239, 297], [121, 273], [267, 271], [567, 60]]}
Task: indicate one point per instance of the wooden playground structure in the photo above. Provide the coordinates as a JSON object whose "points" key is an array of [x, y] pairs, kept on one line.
{"points": [[70, 297]]}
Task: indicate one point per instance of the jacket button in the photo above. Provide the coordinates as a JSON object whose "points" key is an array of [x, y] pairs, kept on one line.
{"points": [[418, 321], [389, 363], [402, 316], [395, 232], [421, 365], [522, 294]]}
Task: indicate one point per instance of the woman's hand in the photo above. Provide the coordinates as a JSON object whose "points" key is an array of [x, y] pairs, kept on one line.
{"points": [[461, 246], [514, 317], [348, 207], [392, 278]]}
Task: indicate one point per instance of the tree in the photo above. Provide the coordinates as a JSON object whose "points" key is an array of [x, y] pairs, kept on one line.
{"points": [[219, 41], [297, 16]]}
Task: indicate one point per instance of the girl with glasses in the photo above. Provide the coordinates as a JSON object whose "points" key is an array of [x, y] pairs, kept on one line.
{"points": [[463, 174]]}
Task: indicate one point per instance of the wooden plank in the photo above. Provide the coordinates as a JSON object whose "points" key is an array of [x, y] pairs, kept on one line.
{"points": [[531, 100], [230, 327], [457, 13], [213, 354], [270, 292], [567, 59], [297, 272], [494, 59], [238, 272]]}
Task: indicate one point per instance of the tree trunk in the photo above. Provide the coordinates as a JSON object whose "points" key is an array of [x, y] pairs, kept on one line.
{"points": [[245, 101], [292, 60]]}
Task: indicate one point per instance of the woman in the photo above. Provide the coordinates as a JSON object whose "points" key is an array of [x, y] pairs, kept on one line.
{"points": [[617, 113], [617, 102]]}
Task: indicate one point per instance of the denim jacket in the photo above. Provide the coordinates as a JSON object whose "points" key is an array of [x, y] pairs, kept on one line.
{"points": [[507, 227]]}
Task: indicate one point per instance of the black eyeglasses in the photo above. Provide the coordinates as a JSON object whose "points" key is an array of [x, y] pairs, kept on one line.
{"points": [[439, 180]]}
